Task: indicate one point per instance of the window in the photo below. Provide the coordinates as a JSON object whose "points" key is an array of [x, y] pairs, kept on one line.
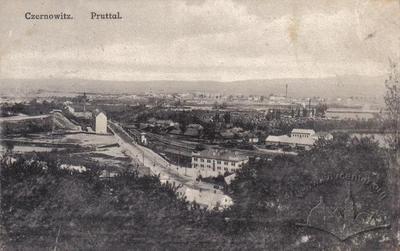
{"points": [[208, 166], [195, 159], [232, 163], [208, 161], [226, 169], [225, 163], [195, 165], [218, 162], [201, 165], [202, 160]]}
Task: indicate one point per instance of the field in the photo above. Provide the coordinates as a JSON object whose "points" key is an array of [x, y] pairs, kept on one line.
{"points": [[81, 139], [75, 149]]}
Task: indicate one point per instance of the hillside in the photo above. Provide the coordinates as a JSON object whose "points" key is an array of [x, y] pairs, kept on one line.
{"points": [[44, 207], [34, 124]]}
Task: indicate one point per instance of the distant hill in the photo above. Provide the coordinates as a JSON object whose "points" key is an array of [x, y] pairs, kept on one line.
{"points": [[341, 86]]}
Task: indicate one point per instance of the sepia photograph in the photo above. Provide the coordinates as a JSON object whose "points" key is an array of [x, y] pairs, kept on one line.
{"points": [[200, 125]]}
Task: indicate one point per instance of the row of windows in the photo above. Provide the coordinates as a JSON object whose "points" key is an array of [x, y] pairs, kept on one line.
{"points": [[218, 161], [218, 168], [209, 166], [301, 135]]}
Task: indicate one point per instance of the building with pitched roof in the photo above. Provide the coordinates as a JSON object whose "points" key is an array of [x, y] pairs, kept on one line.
{"points": [[303, 138], [99, 122], [302, 133]]}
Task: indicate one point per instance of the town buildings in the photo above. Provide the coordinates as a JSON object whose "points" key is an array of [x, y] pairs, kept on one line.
{"points": [[351, 113], [214, 162], [194, 130]]}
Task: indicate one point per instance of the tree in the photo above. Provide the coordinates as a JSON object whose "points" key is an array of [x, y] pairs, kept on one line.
{"points": [[320, 109], [9, 145], [392, 100], [305, 112], [200, 147], [227, 117]]}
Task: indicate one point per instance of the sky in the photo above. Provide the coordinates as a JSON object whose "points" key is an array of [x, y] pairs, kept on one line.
{"points": [[221, 40]]}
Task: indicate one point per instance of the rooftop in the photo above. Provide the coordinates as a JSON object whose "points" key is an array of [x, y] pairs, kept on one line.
{"points": [[97, 112], [195, 126], [350, 110], [284, 139], [305, 131]]}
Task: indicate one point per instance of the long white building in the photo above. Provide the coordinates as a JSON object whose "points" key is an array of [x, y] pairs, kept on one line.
{"points": [[215, 162], [303, 138], [351, 113]]}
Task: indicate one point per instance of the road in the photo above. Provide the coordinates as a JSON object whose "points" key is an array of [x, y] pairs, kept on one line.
{"points": [[202, 193], [23, 117]]}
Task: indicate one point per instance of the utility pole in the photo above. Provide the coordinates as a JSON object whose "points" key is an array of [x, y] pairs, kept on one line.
{"points": [[53, 121], [397, 124], [185, 165], [84, 103], [179, 157]]}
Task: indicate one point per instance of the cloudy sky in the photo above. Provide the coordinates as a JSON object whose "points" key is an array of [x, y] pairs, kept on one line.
{"points": [[220, 40]]}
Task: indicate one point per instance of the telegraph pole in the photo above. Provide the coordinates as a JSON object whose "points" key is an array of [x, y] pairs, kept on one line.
{"points": [[84, 103], [53, 123]]}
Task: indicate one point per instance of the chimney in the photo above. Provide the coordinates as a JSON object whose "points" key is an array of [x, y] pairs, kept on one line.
{"points": [[286, 90]]}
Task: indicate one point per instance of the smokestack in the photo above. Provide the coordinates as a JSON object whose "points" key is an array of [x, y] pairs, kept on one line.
{"points": [[286, 90]]}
